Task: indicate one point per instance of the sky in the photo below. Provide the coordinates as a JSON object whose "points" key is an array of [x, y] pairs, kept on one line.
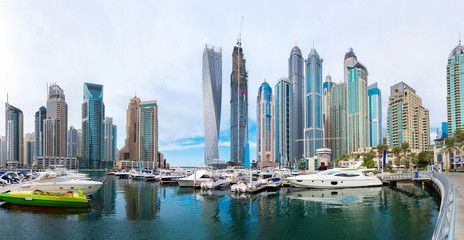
{"points": [[153, 49]]}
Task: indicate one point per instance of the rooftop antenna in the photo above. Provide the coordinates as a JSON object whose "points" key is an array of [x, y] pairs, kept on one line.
{"points": [[7, 98], [239, 40], [459, 38], [296, 44]]}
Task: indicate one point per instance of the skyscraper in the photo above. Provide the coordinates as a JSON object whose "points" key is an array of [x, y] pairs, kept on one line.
{"points": [[40, 116], [110, 143], [407, 119], [73, 142], [57, 110], [296, 77], [212, 96], [357, 104], [313, 132], [444, 130], [29, 142], [148, 132], [3, 151], [455, 88], [131, 149], [14, 128], [238, 107], [93, 115], [326, 105], [284, 123], [375, 115], [338, 118], [49, 143], [265, 127]]}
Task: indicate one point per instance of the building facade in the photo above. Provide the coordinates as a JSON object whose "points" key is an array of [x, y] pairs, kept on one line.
{"points": [[455, 88], [148, 132], [73, 142], [326, 105], [357, 104], [212, 97], [375, 115], [238, 108], [284, 153], [49, 130], [296, 77], [265, 127], [130, 151], [110, 143], [339, 143], [407, 119], [29, 143], [93, 115], [40, 116], [57, 110], [313, 129], [3, 151], [444, 130], [14, 132]]}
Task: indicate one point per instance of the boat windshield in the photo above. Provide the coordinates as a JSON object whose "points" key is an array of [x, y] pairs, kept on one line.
{"points": [[347, 175], [329, 173]]}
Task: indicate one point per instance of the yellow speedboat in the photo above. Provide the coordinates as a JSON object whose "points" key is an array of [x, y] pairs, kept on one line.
{"points": [[46, 199]]}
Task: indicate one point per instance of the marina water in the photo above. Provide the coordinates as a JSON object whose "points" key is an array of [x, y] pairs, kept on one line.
{"points": [[128, 209]]}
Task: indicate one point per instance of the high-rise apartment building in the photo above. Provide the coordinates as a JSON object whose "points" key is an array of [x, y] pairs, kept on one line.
{"points": [[375, 115], [14, 132], [2, 150], [29, 143], [444, 130], [148, 132], [238, 108], [93, 115], [73, 142], [265, 127], [455, 89], [40, 116], [131, 149], [284, 123], [212, 96], [57, 110], [326, 105], [49, 143], [296, 77], [407, 119], [110, 142], [338, 118], [79, 145], [357, 104], [313, 129]]}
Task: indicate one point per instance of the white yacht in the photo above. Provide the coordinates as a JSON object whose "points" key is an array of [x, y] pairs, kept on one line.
{"points": [[47, 181], [196, 178], [336, 178]]}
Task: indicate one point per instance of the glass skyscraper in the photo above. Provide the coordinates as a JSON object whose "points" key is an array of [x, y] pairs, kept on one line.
{"points": [[313, 131], [296, 77], [212, 95], [265, 127], [73, 142], [40, 116], [455, 88], [57, 110], [93, 115], [110, 143], [283, 123], [375, 115], [14, 132], [238, 108], [326, 105], [148, 132], [338, 119]]}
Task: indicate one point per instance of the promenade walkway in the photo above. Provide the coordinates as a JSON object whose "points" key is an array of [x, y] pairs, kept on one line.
{"points": [[459, 226]]}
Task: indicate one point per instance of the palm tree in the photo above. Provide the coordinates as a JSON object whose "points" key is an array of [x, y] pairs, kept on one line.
{"points": [[413, 158], [451, 146], [380, 148], [396, 151], [405, 147]]}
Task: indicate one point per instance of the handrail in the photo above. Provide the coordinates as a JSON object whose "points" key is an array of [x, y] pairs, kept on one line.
{"points": [[444, 229]]}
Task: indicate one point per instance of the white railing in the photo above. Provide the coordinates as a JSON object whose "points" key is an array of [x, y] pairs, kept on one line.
{"points": [[444, 229]]}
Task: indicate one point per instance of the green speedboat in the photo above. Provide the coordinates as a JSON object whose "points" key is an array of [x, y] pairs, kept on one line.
{"points": [[46, 199]]}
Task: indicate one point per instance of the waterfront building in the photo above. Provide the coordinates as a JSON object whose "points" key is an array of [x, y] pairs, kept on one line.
{"points": [[148, 132], [326, 105], [212, 97], [444, 130], [3, 151], [73, 142], [14, 132], [357, 104], [338, 118], [45, 161], [79, 145], [296, 77], [265, 127], [284, 123], [455, 88], [238, 107], [110, 143], [57, 110], [313, 129], [93, 114], [407, 119], [375, 115], [49, 127], [131, 148], [40, 116], [29, 143]]}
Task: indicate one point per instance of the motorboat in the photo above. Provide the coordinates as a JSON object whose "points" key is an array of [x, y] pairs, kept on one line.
{"points": [[193, 180], [46, 181], [46, 199], [337, 178], [122, 174], [220, 183]]}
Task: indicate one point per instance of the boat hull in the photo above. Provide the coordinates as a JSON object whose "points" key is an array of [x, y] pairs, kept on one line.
{"points": [[190, 183], [43, 200], [88, 189], [335, 183]]}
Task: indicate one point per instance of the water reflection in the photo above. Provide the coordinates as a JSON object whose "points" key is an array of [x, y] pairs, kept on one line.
{"points": [[341, 197]]}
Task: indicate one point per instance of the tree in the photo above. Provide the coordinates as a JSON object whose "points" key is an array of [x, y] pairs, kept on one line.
{"points": [[413, 159], [405, 148], [451, 146], [396, 151], [424, 158]]}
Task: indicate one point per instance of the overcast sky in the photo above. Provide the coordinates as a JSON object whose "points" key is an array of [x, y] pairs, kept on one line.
{"points": [[155, 48]]}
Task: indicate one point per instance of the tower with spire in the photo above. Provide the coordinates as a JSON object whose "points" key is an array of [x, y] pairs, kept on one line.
{"points": [[455, 92]]}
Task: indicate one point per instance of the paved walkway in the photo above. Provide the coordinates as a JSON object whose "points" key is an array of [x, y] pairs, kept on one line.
{"points": [[459, 227]]}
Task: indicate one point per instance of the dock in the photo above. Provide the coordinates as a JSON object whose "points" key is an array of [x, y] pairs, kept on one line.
{"points": [[257, 189]]}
